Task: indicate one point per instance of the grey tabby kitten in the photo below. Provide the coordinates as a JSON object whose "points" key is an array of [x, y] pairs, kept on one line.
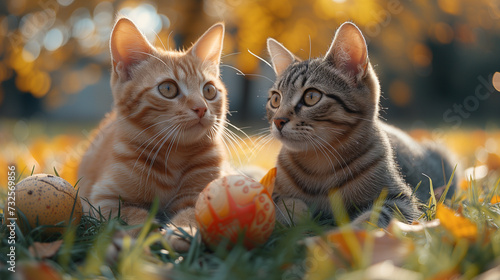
{"points": [[325, 112]]}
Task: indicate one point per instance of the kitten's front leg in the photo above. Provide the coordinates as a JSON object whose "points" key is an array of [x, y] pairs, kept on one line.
{"points": [[132, 215], [406, 207], [185, 220], [290, 210]]}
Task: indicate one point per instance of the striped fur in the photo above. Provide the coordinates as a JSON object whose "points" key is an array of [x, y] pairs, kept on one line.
{"points": [[152, 146], [339, 145]]}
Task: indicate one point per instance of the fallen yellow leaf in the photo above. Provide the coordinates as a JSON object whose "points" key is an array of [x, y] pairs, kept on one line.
{"points": [[268, 180], [38, 270], [495, 199], [341, 248], [459, 226]]}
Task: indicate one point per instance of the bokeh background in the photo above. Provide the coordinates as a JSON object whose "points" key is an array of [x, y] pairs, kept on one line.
{"points": [[436, 62]]}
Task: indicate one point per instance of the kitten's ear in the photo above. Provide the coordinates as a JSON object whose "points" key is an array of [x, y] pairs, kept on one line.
{"points": [[348, 50], [128, 47], [281, 57], [209, 45]]}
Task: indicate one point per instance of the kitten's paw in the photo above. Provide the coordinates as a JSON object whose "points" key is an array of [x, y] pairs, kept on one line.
{"points": [[117, 246], [361, 221], [179, 238]]}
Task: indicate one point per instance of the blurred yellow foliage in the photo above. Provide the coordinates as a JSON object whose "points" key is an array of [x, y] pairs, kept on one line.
{"points": [[43, 155], [306, 27], [400, 93]]}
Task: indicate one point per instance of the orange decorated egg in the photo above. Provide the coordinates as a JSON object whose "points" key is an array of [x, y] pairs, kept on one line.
{"points": [[235, 205]]}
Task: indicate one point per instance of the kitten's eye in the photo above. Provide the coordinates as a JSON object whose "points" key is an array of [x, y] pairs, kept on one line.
{"points": [[168, 89], [209, 91], [275, 100], [312, 97]]}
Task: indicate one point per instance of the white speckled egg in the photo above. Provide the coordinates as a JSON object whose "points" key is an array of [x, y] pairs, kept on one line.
{"points": [[45, 200]]}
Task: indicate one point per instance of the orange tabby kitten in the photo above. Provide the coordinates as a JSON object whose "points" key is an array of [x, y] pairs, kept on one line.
{"points": [[163, 136]]}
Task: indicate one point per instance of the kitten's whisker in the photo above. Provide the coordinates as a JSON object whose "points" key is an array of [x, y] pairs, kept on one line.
{"points": [[263, 130], [149, 143], [238, 139], [117, 121], [325, 148], [259, 138], [237, 144], [260, 76], [234, 148], [234, 140], [178, 140], [343, 160], [363, 119], [238, 71], [142, 131], [260, 145], [168, 39], [226, 55], [235, 127], [336, 130], [310, 46], [210, 134], [225, 144], [325, 153], [261, 59], [223, 123], [153, 56], [163, 140], [310, 140], [159, 39], [169, 149]]}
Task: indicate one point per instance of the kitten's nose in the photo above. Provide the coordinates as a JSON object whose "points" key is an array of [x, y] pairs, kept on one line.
{"points": [[200, 111], [280, 122]]}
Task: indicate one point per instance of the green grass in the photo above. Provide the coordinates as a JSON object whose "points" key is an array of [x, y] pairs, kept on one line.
{"points": [[88, 249]]}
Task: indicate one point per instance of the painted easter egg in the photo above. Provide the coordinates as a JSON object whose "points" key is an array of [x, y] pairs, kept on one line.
{"points": [[45, 200], [235, 205]]}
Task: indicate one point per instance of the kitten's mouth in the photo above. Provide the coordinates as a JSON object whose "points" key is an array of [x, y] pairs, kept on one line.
{"points": [[202, 123], [290, 142]]}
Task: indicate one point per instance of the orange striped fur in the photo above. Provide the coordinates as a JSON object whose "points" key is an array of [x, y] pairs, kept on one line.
{"points": [[152, 144]]}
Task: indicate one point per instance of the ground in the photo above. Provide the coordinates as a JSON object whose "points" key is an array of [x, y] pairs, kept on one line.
{"points": [[454, 238]]}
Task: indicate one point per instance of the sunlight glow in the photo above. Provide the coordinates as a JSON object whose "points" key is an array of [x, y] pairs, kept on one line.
{"points": [[476, 173], [53, 39], [496, 81], [146, 18]]}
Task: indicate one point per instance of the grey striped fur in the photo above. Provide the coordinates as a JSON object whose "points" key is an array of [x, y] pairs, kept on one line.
{"points": [[339, 145]]}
